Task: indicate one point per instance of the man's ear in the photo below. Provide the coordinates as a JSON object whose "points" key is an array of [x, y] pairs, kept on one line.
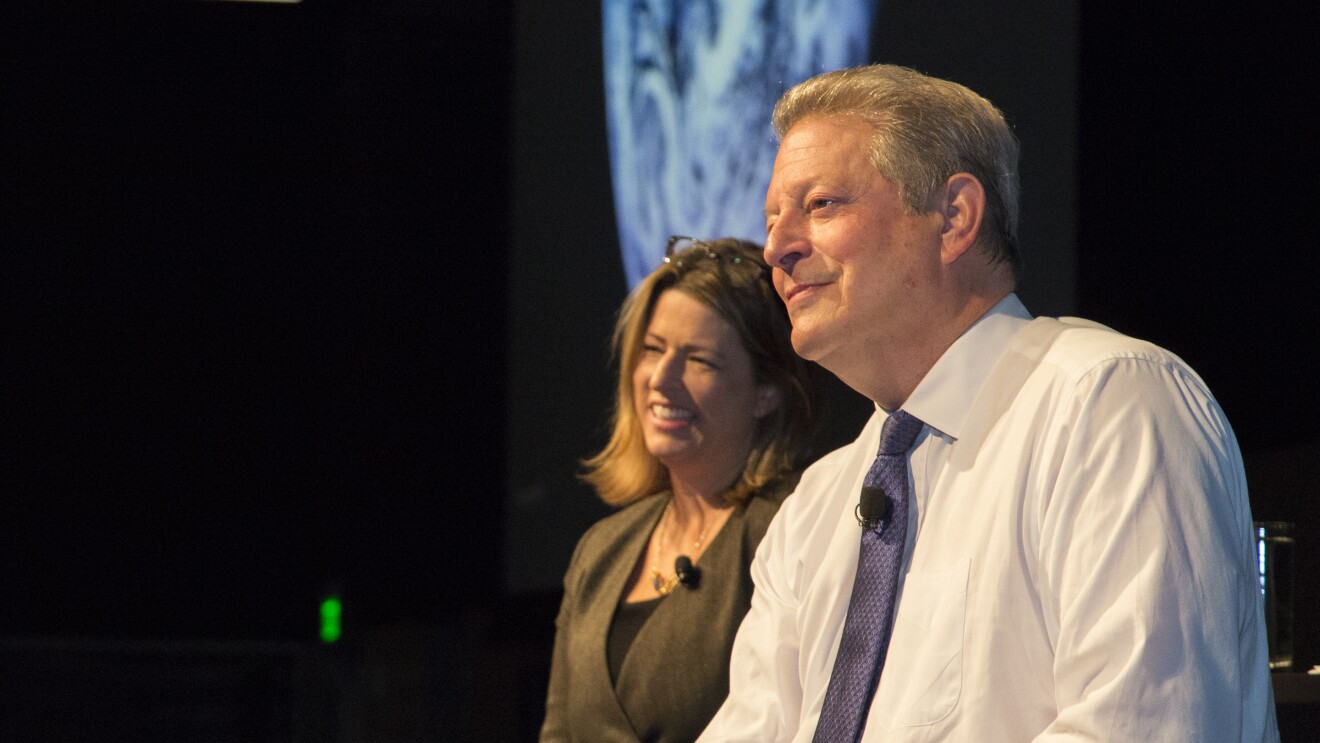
{"points": [[962, 207], [767, 400]]}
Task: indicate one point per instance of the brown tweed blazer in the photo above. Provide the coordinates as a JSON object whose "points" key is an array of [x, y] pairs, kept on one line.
{"points": [[676, 674]]}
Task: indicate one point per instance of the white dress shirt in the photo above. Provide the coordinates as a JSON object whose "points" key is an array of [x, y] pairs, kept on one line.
{"points": [[1079, 562]]}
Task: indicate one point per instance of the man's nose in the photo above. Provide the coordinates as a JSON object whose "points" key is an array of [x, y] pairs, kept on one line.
{"points": [[786, 244]]}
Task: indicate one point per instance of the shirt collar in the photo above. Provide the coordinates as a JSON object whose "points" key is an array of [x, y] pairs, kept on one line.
{"points": [[943, 399]]}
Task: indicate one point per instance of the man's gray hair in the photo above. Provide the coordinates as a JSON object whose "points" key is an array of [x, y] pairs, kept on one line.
{"points": [[926, 129]]}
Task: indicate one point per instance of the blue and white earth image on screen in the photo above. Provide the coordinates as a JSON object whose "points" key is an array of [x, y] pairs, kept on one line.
{"points": [[689, 88]]}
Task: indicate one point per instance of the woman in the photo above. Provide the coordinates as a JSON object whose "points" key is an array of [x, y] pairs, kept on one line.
{"points": [[711, 416]]}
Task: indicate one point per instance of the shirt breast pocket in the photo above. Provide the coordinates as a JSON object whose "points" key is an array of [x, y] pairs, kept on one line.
{"points": [[922, 677]]}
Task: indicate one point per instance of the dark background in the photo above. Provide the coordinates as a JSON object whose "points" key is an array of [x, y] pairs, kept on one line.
{"points": [[254, 291], [259, 269]]}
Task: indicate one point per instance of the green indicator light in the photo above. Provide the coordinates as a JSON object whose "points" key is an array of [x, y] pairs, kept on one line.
{"points": [[331, 619]]}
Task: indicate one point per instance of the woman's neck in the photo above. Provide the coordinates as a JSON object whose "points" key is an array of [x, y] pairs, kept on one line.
{"points": [[690, 521], [695, 514], [700, 489]]}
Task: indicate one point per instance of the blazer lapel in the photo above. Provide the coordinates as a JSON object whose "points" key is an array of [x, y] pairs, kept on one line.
{"points": [[616, 569], [687, 636]]}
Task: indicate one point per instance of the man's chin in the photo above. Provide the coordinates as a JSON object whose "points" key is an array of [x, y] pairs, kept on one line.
{"points": [[807, 343]]}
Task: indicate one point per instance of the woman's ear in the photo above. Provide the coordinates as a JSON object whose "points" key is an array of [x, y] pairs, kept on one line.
{"points": [[767, 400]]}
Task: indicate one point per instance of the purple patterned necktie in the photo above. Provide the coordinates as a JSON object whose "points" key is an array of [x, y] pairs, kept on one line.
{"points": [[871, 608]]}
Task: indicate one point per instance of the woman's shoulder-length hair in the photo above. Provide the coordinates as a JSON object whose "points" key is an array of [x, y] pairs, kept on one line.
{"points": [[730, 277]]}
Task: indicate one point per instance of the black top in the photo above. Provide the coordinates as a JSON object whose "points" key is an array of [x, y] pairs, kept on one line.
{"points": [[628, 621]]}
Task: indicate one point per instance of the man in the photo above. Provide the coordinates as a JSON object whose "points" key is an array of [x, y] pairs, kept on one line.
{"points": [[1072, 558]]}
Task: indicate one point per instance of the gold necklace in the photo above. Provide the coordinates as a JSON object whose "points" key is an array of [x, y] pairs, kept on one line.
{"points": [[659, 582]]}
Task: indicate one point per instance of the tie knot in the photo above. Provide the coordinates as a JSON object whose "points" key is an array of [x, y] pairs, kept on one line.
{"points": [[899, 432]]}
